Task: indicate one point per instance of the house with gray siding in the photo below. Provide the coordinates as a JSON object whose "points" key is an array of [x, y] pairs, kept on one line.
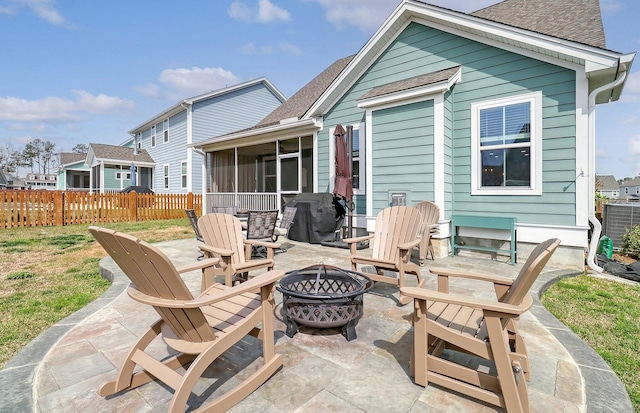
{"points": [[489, 114], [168, 136], [607, 186]]}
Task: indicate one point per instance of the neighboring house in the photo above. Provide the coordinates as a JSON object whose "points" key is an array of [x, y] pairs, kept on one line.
{"points": [[630, 189], [4, 183], [73, 172], [167, 136], [487, 114], [607, 186], [41, 181], [111, 167]]}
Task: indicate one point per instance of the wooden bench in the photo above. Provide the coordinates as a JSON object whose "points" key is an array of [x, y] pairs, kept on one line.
{"points": [[469, 221]]}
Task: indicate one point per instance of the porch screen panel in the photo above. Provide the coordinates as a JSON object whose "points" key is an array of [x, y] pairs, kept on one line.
{"points": [[223, 176]]}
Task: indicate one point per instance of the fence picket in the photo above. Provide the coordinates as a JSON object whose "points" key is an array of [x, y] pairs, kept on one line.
{"points": [[39, 208]]}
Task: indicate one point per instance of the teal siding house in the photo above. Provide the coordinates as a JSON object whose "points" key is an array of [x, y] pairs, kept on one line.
{"points": [[488, 114]]}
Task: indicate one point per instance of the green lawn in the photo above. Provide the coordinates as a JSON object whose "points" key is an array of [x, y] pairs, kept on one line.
{"points": [[49, 273], [606, 315]]}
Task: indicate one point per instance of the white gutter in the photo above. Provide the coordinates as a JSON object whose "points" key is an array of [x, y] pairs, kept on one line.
{"points": [[597, 227]]}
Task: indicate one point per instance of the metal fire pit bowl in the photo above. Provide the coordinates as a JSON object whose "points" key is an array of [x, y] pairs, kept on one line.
{"points": [[323, 296]]}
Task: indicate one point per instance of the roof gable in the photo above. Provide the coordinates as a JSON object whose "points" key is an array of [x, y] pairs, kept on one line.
{"points": [[601, 65]]}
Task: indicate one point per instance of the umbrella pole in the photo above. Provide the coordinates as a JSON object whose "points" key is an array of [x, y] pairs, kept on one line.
{"points": [[350, 202]]}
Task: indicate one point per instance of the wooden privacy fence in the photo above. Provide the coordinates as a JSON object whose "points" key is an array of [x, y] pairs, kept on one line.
{"points": [[52, 208]]}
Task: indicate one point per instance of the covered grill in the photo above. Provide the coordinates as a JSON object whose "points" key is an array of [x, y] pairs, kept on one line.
{"points": [[323, 296]]}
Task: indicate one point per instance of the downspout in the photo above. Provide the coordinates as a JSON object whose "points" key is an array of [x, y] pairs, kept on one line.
{"points": [[597, 227]]}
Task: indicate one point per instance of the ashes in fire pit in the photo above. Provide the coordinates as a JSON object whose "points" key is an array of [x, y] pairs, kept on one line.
{"points": [[323, 296]]}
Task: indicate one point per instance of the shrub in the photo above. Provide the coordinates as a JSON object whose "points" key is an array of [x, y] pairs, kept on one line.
{"points": [[631, 241]]}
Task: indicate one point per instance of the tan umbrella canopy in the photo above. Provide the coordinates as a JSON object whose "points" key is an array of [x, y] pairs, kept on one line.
{"points": [[343, 187]]}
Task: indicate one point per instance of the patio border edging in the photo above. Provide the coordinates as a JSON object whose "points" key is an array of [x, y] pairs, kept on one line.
{"points": [[596, 373]]}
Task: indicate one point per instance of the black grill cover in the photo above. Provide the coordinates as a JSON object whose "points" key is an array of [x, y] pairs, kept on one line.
{"points": [[318, 217]]}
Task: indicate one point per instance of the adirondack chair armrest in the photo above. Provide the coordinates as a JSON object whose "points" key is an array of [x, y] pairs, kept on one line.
{"points": [[358, 239], [209, 262], [447, 272], [267, 244], [206, 298], [220, 251], [511, 310], [408, 245]]}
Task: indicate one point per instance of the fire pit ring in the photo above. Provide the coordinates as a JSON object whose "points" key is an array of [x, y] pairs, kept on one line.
{"points": [[323, 296]]}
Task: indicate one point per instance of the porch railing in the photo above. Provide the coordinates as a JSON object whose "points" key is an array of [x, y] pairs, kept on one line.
{"points": [[252, 201]]}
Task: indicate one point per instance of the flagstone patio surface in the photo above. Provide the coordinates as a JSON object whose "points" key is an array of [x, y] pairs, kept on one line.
{"points": [[60, 371]]}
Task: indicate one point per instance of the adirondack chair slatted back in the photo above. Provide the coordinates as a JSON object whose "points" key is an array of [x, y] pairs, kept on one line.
{"points": [[430, 213], [153, 274], [531, 270], [395, 225], [223, 231]]}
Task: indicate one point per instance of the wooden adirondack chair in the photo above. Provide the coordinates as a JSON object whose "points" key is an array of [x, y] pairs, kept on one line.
{"points": [[482, 328], [199, 329], [430, 217], [394, 238], [223, 239]]}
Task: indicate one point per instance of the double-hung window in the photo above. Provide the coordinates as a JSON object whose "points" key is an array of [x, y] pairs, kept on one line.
{"points": [[183, 173], [153, 136], [165, 131], [357, 159], [165, 176], [506, 146]]}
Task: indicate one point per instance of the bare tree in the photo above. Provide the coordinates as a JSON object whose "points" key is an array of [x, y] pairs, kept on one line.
{"points": [[7, 158], [80, 148], [41, 153]]}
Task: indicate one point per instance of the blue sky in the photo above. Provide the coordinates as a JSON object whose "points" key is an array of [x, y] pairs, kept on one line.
{"points": [[77, 71]]}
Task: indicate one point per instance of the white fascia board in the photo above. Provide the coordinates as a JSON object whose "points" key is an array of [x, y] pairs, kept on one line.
{"points": [[427, 91], [269, 133]]}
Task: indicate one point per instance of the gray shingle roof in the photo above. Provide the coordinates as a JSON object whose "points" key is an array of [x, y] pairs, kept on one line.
{"points": [[607, 183], [576, 20], [298, 104], [411, 83], [121, 153], [71, 157]]}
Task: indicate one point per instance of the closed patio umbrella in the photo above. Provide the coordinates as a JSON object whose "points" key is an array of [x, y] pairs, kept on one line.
{"points": [[343, 186]]}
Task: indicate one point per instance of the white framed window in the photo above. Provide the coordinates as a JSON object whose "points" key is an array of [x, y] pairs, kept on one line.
{"points": [[506, 146], [120, 176], [183, 174], [358, 170], [165, 131], [153, 136], [165, 176]]}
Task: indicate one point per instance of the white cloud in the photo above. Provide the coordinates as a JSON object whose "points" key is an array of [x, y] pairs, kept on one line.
{"points": [[269, 12], [251, 49], [45, 9], [190, 82], [263, 12], [56, 109], [151, 90], [634, 145], [290, 48], [631, 92]]}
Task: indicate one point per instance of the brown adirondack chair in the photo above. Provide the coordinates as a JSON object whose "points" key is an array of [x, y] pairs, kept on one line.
{"points": [[199, 329], [223, 239], [430, 217], [394, 237], [483, 328]]}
